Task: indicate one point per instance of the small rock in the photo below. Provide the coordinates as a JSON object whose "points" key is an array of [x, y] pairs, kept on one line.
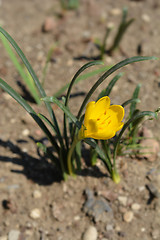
{"points": [[49, 24], [37, 194], [141, 188], [128, 216], [35, 213], [109, 227], [77, 218], [90, 234], [25, 132], [57, 212], [115, 11], [153, 190], [109, 195], [13, 235], [97, 208], [135, 206], [122, 200], [146, 18]]}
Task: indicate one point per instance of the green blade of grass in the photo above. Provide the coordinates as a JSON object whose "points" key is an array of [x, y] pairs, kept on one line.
{"points": [[136, 100], [28, 81], [81, 78], [83, 68], [100, 152], [29, 109], [35, 78], [135, 95], [131, 120], [64, 109], [108, 73], [108, 90]]}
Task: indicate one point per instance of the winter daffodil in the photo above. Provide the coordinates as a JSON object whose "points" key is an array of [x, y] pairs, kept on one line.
{"points": [[101, 120]]}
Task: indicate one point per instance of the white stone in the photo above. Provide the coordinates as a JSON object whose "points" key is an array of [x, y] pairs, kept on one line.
{"points": [[115, 11], [128, 216], [122, 200], [109, 227], [13, 235], [35, 213], [146, 18], [25, 132], [135, 206], [37, 194], [90, 234]]}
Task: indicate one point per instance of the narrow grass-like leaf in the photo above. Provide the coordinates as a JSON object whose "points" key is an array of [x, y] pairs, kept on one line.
{"points": [[131, 120], [136, 100], [108, 73], [81, 78], [29, 109], [100, 152], [64, 109], [135, 95], [83, 68], [121, 30], [35, 78], [107, 91], [28, 81], [49, 55]]}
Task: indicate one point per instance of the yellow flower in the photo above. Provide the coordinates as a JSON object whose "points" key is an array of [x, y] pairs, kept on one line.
{"points": [[101, 120]]}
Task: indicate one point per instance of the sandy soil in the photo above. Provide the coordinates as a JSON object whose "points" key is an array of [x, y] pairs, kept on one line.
{"points": [[27, 181]]}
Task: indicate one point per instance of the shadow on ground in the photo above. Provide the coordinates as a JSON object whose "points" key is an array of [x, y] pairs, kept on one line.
{"points": [[41, 170]]}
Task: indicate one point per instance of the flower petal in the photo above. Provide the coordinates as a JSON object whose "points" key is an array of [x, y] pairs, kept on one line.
{"points": [[89, 109], [103, 135], [119, 110], [101, 106]]}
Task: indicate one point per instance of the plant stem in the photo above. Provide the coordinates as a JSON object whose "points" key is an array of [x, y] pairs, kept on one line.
{"points": [[115, 175], [69, 157]]}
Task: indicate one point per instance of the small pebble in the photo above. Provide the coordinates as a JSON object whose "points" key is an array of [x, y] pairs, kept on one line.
{"points": [[35, 213], [128, 216], [13, 235], [135, 206], [49, 24], [143, 229], [146, 18], [122, 200], [77, 218], [37, 194], [25, 132], [115, 11], [109, 227], [141, 188], [90, 234]]}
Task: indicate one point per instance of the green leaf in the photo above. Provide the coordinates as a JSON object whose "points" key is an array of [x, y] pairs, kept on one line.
{"points": [[131, 120], [29, 109], [108, 73], [64, 109], [135, 95], [81, 78], [108, 90], [26, 78], [35, 78], [100, 152], [136, 100]]}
